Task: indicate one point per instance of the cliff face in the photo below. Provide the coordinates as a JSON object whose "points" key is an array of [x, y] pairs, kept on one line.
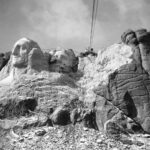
{"points": [[127, 85], [27, 76], [109, 92], [4, 58], [99, 74]]}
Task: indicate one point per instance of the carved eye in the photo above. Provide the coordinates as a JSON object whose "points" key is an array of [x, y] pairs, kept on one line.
{"points": [[18, 47], [16, 50], [24, 47]]}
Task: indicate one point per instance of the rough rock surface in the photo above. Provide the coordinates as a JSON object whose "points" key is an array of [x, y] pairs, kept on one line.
{"points": [[120, 74], [114, 121], [32, 95], [27, 58], [129, 85], [4, 58], [43, 106], [63, 61]]}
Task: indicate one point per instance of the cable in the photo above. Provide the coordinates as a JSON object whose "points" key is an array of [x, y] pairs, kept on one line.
{"points": [[91, 34], [93, 22], [95, 16]]}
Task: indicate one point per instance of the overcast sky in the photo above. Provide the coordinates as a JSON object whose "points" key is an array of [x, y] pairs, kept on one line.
{"points": [[66, 23]]}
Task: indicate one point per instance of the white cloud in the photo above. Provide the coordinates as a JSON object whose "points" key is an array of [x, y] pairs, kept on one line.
{"points": [[133, 13], [60, 20], [128, 6], [66, 22]]}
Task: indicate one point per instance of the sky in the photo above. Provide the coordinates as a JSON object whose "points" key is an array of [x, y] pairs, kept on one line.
{"points": [[66, 23]]}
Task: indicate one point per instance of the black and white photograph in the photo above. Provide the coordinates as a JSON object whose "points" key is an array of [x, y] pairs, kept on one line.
{"points": [[74, 74]]}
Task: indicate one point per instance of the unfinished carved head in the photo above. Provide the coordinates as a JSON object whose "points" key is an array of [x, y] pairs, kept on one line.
{"points": [[21, 50], [63, 61]]}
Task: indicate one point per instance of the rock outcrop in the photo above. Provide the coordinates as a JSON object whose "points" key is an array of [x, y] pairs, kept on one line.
{"points": [[125, 82], [33, 82], [63, 61], [108, 93], [114, 121], [4, 58], [139, 41]]}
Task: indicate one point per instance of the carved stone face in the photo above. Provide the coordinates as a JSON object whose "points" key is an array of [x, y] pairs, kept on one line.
{"points": [[20, 52], [62, 60]]}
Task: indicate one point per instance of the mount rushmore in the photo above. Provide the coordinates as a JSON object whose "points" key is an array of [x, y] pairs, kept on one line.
{"points": [[108, 91]]}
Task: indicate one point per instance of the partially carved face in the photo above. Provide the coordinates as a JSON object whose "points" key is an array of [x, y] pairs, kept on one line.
{"points": [[63, 56], [63, 60], [20, 52]]}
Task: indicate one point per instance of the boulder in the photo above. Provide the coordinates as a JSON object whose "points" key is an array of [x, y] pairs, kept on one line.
{"points": [[75, 116], [60, 116], [89, 119], [13, 107]]}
